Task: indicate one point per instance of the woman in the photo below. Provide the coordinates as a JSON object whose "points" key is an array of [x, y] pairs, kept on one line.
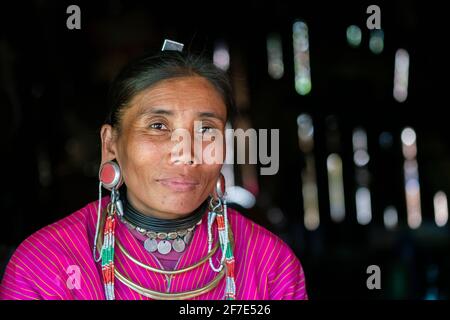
{"points": [[165, 232]]}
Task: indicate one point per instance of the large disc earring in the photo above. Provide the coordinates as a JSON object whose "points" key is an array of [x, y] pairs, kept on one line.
{"points": [[110, 175]]}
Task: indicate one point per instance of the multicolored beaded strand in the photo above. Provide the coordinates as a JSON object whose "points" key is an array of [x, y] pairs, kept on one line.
{"points": [[227, 251], [229, 259], [107, 252]]}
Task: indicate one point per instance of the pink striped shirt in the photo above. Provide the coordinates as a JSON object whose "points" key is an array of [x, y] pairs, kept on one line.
{"points": [[56, 263]]}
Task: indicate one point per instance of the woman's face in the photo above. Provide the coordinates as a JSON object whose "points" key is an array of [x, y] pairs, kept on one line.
{"points": [[159, 182]]}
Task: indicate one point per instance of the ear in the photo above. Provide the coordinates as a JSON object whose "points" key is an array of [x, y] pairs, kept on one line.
{"points": [[109, 144]]}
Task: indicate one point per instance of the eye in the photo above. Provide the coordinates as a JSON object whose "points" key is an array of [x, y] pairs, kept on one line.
{"points": [[207, 129], [158, 126]]}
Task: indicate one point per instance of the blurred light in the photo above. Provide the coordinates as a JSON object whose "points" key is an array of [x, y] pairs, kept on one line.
{"points": [[361, 158], [409, 147], [432, 294], [401, 74], [221, 56], [305, 126], [411, 169], [363, 206], [385, 140], [310, 202], [354, 36], [376, 42], [275, 56], [301, 58], [336, 187], [390, 217], [359, 139], [240, 196], [440, 209], [408, 136], [413, 209], [305, 131]]}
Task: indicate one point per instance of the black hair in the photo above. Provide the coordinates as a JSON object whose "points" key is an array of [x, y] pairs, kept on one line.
{"points": [[148, 70]]}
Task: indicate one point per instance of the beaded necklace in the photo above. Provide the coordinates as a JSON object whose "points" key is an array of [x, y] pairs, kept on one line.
{"points": [[217, 212]]}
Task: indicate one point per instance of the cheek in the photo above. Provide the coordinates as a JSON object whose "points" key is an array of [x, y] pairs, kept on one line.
{"points": [[214, 152], [212, 173], [142, 157]]}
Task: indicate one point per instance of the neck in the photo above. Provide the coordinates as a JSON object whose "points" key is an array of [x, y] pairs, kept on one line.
{"points": [[154, 223]]}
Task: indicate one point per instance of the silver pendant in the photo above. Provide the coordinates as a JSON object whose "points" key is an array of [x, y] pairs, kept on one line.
{"points": [[188, 237], [164, 247], [179, 245], [162, 236], [119, 206], [141, 231], [172, 235], [152, 234], [150, 245]]}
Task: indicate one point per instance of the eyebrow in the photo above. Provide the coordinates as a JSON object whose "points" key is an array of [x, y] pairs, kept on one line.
{"points": [[210, 115], [157, 111], [160, 111]]}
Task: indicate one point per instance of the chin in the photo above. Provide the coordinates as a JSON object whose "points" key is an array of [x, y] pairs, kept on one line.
{"points": [[180, 211], [184, 201]]}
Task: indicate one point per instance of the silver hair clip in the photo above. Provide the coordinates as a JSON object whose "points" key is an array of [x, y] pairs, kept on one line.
{"points": [[170, 45]]}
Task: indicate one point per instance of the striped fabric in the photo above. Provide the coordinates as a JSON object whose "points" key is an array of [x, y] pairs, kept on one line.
{"points": [[56, 263]]}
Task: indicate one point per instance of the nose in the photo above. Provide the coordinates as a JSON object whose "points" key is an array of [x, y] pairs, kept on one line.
{"points": [[183, 152], [190, 162], [184, 159]]}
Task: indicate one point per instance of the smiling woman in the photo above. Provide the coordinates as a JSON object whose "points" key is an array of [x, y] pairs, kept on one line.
{"points": [[158, 181], [165, 232]]}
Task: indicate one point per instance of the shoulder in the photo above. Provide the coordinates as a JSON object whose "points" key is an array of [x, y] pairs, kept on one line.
{"points": [[64, 234], [59, 235], [54, 243], [38, 267]]}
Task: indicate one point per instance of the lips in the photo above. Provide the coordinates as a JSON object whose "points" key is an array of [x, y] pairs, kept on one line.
{"points": [[179, 184]]}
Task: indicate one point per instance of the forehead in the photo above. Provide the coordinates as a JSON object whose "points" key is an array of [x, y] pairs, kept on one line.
{"points": [[184, 94]]}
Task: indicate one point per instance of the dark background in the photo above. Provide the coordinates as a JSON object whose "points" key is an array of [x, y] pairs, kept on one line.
{"points": [[53, 84]]}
